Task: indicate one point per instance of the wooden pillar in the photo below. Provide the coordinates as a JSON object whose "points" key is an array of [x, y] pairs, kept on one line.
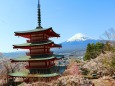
{"points": [[42, 64], [45, 63], [30, 37], [44, 49], [49, 63], [43, 36], [47, 49]]}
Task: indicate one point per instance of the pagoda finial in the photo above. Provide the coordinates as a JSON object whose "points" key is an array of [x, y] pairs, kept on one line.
{"points": [[39, 15]]}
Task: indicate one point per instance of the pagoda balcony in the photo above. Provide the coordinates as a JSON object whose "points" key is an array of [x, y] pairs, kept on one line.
{"points": [[37, 53], [37, 40], [34, 67]]}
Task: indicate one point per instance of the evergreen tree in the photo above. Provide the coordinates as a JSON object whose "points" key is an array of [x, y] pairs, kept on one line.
{"points": [[93, 50]]}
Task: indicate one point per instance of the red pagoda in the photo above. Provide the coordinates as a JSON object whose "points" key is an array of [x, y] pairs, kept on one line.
{"points": [[41, 61]]}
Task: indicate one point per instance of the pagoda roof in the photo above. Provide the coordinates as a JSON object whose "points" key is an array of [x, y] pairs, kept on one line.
{"points": [[48, 31], [27, 75], [37, 58], [34, 44], [37, 44], [34, 30]]}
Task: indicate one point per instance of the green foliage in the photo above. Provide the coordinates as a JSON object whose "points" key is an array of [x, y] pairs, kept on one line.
{"points": [[87, 56], [108, 46], [93, 50], [112, 64], [109, 63]]}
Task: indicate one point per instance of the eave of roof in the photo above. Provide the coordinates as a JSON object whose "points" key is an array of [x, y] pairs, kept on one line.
{"points": [[27, 75], [28, 58], [25, 45], [34, 30], [37, 30], [34, 44]]}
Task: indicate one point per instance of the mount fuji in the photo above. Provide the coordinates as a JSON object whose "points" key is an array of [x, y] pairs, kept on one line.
{"points": [[76, 45], [78, 37]]}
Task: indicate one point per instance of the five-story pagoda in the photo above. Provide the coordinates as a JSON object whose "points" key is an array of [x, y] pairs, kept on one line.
{"points": [[41, 61]]}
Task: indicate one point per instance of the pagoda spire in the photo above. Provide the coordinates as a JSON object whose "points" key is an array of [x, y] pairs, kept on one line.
{"points": [[39, 15]]}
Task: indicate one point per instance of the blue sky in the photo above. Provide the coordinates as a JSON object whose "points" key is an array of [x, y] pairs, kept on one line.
{"points": [[67, 17]]}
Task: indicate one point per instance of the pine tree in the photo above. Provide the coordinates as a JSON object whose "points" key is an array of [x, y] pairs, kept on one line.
{"points": [[93, 50]]}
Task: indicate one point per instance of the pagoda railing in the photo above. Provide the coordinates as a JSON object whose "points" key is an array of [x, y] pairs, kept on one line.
{"points": [[36, 40], [44, 66], [37, 53]]}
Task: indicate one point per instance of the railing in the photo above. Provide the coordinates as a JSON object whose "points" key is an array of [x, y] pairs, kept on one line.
{"points": [[36, 40], [37, 53], [41, 66]]}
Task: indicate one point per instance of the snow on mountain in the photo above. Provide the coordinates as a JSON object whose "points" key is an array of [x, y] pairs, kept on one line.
{"points": [[76, 45], [78, 37]]}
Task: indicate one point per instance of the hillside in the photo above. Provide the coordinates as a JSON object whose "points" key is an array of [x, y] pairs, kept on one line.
{"points": [[102, 63]]}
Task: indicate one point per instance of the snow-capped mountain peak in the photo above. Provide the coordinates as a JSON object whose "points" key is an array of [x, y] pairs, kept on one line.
{"points": [[78, 37]]}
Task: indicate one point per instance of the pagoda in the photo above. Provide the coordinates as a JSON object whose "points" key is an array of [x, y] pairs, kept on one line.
{"points": [[41, 60]]}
